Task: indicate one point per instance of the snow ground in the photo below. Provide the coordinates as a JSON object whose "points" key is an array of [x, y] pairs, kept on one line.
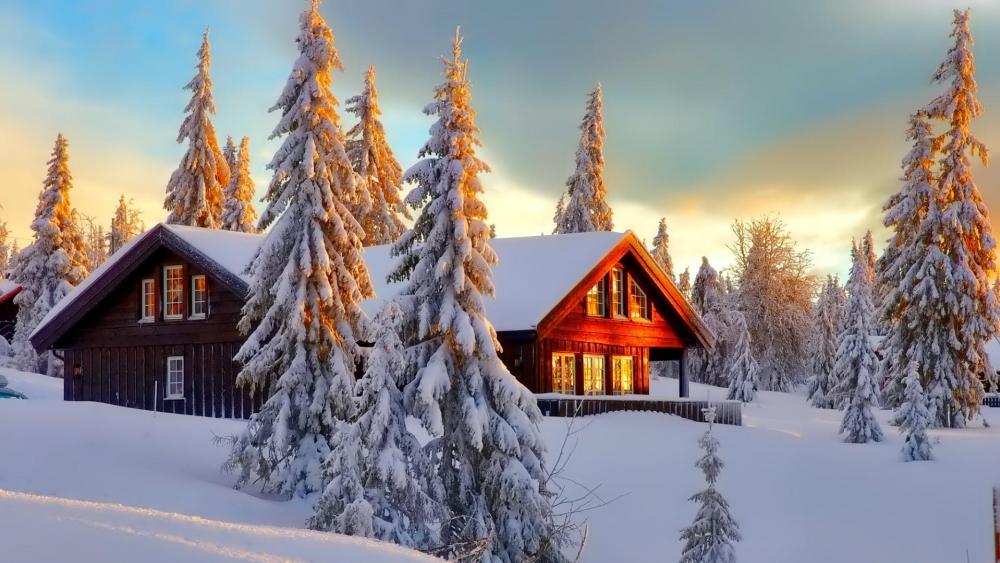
{"points": [[152, 489]]}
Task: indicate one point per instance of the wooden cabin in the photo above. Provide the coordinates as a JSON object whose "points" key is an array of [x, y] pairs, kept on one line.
{"points": [[155, 326], [8, 309]]}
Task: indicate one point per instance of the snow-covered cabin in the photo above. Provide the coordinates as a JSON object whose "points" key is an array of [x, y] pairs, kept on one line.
{"points": [[8, 309], [155, 326]]}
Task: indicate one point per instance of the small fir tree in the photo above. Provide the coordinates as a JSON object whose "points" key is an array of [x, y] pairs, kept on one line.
{"points": [[194, 192], [380, 482], [303, 311], [856, 363], [51, 265], [661, 249], [711, 366], [684, 283], [829, 309], [710, 538], [913, 418], [484, 423], [587, 208], [381, 210], [229, 153], [742, 367], [238, 213]]}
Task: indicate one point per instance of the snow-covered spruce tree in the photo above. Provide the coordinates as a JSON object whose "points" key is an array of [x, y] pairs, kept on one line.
{"points": [[910, 269], [684, 283], [125, 225], [587, 208], [376, 165], [741, 369], [194, 192], [5, 249], [971, 309], [827, 320], [381, 484], [484, 423], [229, 153], [308, 280], [710, 538], [710, 366], [237, 210], [856, 364], [661, 249], [913, 418], [775, 294], [560, 211], [52, 264]]}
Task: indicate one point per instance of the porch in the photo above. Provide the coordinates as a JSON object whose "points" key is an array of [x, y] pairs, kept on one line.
{"points": [[555, 404]]}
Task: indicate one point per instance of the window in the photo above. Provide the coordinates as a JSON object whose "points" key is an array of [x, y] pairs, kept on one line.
{"points": [[621, 375], [175, 377], [564, 373], [173, 292], [595, 300], [639, 306], [199, 297], [618, 291], [593, 375], [148, 305]]}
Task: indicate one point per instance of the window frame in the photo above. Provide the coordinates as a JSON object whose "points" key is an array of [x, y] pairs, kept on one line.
{"points": [[169, 384], [598, 295], [149, 283], [204, 302], [616, 375], [638, 311], [619, 298], [567, 359], [589, 363], [166, 293]]}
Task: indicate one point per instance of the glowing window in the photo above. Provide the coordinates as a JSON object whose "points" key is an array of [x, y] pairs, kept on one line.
{"points": [[173, 292], [148, 300], [622, 375], [593, 374], [564, 373], [618, 291], [199, 297], [595, 300], [639, 303]]}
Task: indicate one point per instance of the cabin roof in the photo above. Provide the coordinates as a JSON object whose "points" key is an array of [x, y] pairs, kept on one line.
{"points": [[8, 290], [534, 274]]}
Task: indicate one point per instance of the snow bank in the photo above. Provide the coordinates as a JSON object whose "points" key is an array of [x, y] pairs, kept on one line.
{"points": [[36, 387]]}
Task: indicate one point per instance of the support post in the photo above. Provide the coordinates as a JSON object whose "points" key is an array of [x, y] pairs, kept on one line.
{"points": [[682, 376]]}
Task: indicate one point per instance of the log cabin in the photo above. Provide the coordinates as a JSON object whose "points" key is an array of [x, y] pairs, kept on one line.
{"points": [[8, 308], [155, 327]]}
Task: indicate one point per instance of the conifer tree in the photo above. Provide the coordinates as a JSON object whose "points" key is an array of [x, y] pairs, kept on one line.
{"points": [[484, 423], [741, 371], [856, 363], [238, 213], [829, 309], [684, 283], [661, 249], [970, 304], [587, 208], [560, 211], [303, 311], [710, 366], [913, 418], [710, 538], [380, 482], [126, 224], [52, 264], [381, 211], [5, 249], [194, 192], [229, 153]]}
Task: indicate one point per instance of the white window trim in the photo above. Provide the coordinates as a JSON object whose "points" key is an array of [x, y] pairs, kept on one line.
{"points": [[168, 395], [572, 357], [604, 370], [143, 317], [166, 293], [198, 316]]}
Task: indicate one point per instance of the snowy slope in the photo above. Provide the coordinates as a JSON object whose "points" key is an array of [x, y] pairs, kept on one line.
{"points": [[798, 492]]}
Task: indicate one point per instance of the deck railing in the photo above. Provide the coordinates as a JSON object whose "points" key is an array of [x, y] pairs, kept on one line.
{"points": [[726, 412]]}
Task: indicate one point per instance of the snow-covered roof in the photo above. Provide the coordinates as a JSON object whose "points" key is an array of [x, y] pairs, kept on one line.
{"points": [[6, 288], [533, 274]]}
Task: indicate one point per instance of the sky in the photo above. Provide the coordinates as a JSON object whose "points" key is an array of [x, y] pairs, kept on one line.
{"points": [[714, 110]]}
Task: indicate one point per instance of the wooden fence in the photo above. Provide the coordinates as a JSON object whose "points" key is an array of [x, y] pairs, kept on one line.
{"points": [[726, 412]]}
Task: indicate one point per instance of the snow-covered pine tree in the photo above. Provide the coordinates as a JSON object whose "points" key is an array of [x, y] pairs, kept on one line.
{"points": [[484, 423], [971, 306], [560, 211], [741, 369], [910, 271], [229, 153], [238, 213], [126, 224], [194, 192], [707, 296], [52, 264], [367, 147], [684, 283], [381, 484], [661, 249], [856, 362], [587, 208], [913, 418], [303, 312], [5, 249], [710, 538], [827, 326]]}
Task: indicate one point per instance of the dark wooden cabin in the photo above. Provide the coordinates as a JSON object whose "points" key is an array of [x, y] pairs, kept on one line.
{"points": [[155, 327], [8, 309]]}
